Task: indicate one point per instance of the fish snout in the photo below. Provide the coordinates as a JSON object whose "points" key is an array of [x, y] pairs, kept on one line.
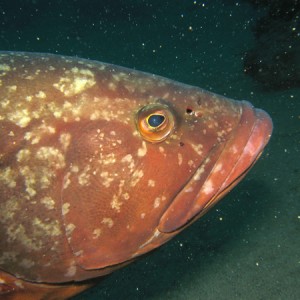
{"points": [[223, 169]]}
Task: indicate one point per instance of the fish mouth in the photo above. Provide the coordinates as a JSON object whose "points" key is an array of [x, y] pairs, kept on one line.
{"points": [[223, 169]]}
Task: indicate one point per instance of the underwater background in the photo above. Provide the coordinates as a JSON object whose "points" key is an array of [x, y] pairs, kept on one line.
{"points": [[247, 246]]}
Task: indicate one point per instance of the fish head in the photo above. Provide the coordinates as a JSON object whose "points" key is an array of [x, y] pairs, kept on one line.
{"points": [[100, 164], [156, 168]]}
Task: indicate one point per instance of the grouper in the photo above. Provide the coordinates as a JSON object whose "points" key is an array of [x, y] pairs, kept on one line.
{"points": [[100, 164]]}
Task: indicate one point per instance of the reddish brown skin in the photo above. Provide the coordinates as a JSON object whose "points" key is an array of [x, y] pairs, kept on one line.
{"points": [[82, 192]]}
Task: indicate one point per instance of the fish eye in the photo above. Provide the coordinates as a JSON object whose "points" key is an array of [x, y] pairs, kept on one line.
{"points": [[155, 122]]}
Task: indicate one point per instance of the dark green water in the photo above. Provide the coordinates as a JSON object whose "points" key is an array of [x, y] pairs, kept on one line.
{"points": [[248, 246]]}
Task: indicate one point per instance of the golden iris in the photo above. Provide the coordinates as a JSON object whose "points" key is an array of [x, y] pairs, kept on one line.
{"points": [[155, 122]]}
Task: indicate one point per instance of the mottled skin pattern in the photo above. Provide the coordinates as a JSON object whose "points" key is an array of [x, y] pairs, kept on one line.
{"points": [[82, 191]]}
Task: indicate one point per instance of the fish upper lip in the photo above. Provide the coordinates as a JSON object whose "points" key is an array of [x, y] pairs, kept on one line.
{"points": [[222, 170]]}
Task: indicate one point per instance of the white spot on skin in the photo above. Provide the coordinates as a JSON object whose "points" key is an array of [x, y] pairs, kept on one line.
{"points": [[234, 149], [29, 178], [107, 159], [74, 169], [71, 271], [143, 215], [48, 202], [17, 233], [36, 135], [78, 253], [198, 173], [143, 150], [65, 139], [126, 196], [112, 86], [136, 176], [75, 82], [201, 170], [218, 168], [191, 163], [128, 159], [41, 95], [179, 159], [53, 157], [66, 181], [106, 180], [96, 233], [70, 228], [208, 187], [95, 115], [189, 189], [50, 228], [115, 203], [8, 177], [23, 155], [20, 117], [4, 67], [4, 104], [156, 202], [31, 192], [108, 221], [198, 148], [11, 88], [135, 133], [39, 175], [84, 177], [151, 183], [65, 208]]}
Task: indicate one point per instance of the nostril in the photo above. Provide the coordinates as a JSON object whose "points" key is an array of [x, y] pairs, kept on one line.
{"points": [[189, 110]]}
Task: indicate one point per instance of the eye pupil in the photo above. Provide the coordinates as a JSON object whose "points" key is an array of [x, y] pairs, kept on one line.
{"points": [[155, 120]]}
